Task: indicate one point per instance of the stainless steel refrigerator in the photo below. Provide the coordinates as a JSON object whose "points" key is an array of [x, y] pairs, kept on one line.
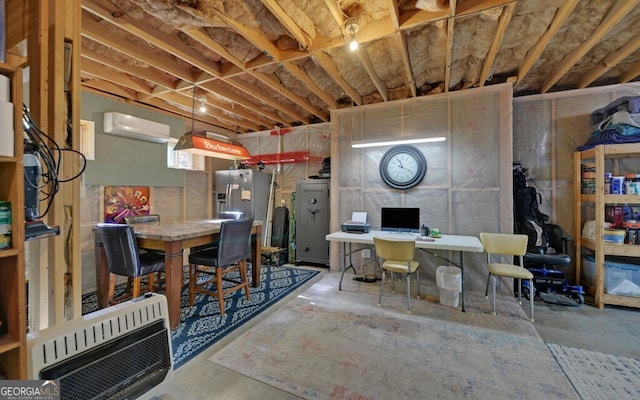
{"points": [[243, 190]]}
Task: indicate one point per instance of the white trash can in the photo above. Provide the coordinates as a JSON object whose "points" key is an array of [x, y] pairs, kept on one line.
{"points": [[449, 283]]}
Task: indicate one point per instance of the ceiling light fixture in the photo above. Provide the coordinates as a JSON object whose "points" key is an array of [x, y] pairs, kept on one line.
{"points": [[208, 143], [203, 104], [357, 144], [351, 27]]}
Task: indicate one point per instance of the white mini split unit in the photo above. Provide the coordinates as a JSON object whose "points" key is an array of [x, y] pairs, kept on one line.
{"points": [[137, 128]]}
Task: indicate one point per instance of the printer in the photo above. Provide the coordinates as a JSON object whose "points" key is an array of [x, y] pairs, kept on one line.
{"points": [[357, 224]]}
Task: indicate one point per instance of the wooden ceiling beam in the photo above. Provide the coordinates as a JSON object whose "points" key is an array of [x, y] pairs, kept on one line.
{"points": [[368, 66], [94, 31], [473, 6], [415, 18], [609, 61], [288, 23], [102, 88], [160, 40], [267, 46], [149, 74], [207, 41], [409, 79], [277, 86], [631, 73], [239, 110], [299, 73], [449, 55], [503, 22], [330, 68], [98, 70], [217, 90], [336, 12], [253, 37], [618, 11], [534, 52], [188, 115], [181, 99], [110, 87], [269, 100]]}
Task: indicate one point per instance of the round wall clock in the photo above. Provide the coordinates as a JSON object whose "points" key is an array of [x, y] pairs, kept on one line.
{"points": [[403, 167]]}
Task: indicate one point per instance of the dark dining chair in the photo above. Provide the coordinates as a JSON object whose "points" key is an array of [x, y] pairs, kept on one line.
{"points": [[147, 219], [125, 259], [217, 264], [141, 219]]}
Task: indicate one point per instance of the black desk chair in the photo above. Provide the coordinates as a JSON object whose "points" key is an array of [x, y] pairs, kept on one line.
{"points": [[125, 259], [211, 265]]}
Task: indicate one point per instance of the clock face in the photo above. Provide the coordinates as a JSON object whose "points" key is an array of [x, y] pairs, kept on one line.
{"points": [[403, 167]]}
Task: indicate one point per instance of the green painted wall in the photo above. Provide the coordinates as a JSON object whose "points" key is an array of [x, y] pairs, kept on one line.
{"points": [[124, 161]]}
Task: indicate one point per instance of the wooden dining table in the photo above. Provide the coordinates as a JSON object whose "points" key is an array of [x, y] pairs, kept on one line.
{"points": [[172, 237]]}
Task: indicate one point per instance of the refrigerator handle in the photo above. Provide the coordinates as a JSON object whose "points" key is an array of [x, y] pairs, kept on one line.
{"points": [[228, 195]]}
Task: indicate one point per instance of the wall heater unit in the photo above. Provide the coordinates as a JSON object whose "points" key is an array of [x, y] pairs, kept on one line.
{"points": [[121, 352]]}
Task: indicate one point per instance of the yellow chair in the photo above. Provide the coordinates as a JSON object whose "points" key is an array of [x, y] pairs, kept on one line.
{"points": [[510, 245], [397, 256]]}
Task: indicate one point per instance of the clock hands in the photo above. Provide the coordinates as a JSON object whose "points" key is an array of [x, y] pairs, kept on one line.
{"points": [[402, 166]]}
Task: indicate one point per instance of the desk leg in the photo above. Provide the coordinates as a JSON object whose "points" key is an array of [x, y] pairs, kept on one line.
{"points": [[174, 280], [256, 256], [345, 268], [102, 274], [462, 279]]}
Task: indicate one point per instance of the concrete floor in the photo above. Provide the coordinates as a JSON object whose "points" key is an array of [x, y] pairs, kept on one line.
{"points": [[610, 330]]}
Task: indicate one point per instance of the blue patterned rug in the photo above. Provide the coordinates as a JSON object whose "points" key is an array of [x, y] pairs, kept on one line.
{"points": [[202, 325]]}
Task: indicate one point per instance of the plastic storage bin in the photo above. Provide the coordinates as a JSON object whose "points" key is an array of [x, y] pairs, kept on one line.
{"points": [[622, 278], [615, 236], [449, 283], [588, 270]]}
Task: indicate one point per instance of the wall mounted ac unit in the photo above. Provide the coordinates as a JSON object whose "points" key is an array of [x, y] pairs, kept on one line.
{"points": [[136, 128]]}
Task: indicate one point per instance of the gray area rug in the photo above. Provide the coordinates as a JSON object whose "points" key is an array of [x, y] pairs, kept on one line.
{"points": [[330, 344], [599, 376]]}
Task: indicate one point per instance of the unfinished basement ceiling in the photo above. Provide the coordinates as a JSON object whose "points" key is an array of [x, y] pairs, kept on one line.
{"points": [[262, 64]]}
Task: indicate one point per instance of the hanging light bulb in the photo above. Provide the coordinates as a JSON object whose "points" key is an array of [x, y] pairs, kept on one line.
{"points": [[351, 27], [203, 104], [353, 45]]}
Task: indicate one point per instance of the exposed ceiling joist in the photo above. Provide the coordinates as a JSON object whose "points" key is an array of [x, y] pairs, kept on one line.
{"points": [[619, 10], [505, 18], [534, 53], [273, 62]]}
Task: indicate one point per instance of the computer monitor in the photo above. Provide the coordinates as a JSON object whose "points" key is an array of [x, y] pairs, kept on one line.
{"points": [[400, 219]]}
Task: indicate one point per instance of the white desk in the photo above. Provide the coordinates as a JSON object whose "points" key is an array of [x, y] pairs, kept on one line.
{"points": [[446, 242]]}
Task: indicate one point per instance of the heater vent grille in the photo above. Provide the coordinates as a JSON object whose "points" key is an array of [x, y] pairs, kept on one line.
{"points": [[119, 352]]}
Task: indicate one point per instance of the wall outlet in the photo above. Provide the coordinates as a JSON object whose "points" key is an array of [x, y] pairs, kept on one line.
{"points": [[366, 253]]}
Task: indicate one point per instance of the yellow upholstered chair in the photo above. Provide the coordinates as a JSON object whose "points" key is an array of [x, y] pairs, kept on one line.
{"points": [[397, 256], [511, 245]]}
